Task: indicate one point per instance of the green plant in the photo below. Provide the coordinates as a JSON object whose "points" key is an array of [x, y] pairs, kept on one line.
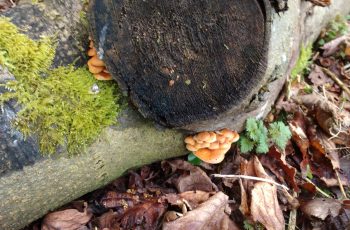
{"points": [[335, 28], [63, 107], [193, 159], [258, 137]]}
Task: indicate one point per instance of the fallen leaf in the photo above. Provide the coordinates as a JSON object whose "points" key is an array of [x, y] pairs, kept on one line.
{"points": [[298, 128], [244, 207], [122, 200], [318, 77], [321, 208], [264, 205], [5, 5], [321, 2], [109, 220], [265, 208], [145, 215], [209, 215], [333, 46], [276, 162], [193, 198], [186, 177], [69, 219]]}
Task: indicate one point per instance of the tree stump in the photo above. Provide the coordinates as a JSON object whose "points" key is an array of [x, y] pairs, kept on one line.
{"points": [[184, 62], [31, 185]]}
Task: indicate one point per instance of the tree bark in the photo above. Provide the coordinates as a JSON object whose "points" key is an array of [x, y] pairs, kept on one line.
{"points": [[37, 184]]}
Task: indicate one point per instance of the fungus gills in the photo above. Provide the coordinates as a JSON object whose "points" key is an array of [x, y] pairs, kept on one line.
{"points": [[61, 106]]}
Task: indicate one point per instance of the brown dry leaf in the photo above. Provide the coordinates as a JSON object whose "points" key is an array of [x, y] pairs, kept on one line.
{"points": [[298, 127], [244, 207], [265, 208], [276, 162], [264, 205], [69, 219], [193, 198], [210, 215], [318, 77], [5, 5], [114, 200], [109, 220], [333, 46], [187, 177], [145, 215], [321, 208]]}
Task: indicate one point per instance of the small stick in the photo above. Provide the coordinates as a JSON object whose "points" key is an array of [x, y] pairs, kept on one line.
{"points": [[293, 216], [341, 185], [318, 189], [336, 79], [339, 148], [250, 178]]}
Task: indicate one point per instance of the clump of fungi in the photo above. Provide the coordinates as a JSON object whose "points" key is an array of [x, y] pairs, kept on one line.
{"points": [[211, 147], [96, 66]]}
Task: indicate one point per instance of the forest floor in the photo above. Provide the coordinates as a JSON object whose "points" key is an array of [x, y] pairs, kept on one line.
{"points": [[304, 185]]}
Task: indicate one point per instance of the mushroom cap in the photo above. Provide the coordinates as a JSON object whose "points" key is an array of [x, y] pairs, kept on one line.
{"points": [[189, 140], [95, 69], [103, 76], [234, 137], [202, 137], [92, 52], [96, 61], [211, 156], [191, 148], [214, 145]]}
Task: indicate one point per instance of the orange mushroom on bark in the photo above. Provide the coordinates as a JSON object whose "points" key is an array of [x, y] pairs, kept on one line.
{"points": [[211, 147], [96, 65]]}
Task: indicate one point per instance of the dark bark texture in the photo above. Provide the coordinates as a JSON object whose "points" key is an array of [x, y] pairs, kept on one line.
{"points": [[183, 61]]}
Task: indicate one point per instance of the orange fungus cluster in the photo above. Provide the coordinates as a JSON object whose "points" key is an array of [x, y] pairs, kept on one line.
{"points": [[96, 66], [211, 147]]}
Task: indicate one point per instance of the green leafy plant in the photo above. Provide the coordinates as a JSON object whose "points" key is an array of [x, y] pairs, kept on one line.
{"points": [[258, 137], [63, 107], [335, 28], [193, 159]]}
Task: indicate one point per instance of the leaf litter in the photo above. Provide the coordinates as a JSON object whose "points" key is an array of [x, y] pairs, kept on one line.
{"points": [[310, 174]]}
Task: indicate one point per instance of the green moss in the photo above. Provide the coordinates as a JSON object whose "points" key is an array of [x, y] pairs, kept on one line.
{"points": [[303, 61], [59, 106]]}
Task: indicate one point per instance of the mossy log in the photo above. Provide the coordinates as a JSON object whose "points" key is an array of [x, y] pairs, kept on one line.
{"points": [[31, 185]]}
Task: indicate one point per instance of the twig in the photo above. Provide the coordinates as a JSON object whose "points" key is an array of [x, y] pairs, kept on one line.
{"points": [[318, 189], [250, 178], [341, 185], [293, 216], [339, 148], [336, 79]]}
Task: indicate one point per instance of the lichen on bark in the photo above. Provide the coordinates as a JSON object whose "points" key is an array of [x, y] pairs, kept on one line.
{"points": [[64, 107]]}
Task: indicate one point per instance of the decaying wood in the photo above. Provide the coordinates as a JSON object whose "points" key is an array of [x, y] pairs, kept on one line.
{"points": [[42, 184], [205, 47]]}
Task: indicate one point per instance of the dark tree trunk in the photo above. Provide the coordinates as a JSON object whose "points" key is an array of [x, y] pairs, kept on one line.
{"points": [[184, 62]]}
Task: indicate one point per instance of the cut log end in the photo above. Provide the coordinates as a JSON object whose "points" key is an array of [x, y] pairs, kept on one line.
{"points": [[182, 61]]}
